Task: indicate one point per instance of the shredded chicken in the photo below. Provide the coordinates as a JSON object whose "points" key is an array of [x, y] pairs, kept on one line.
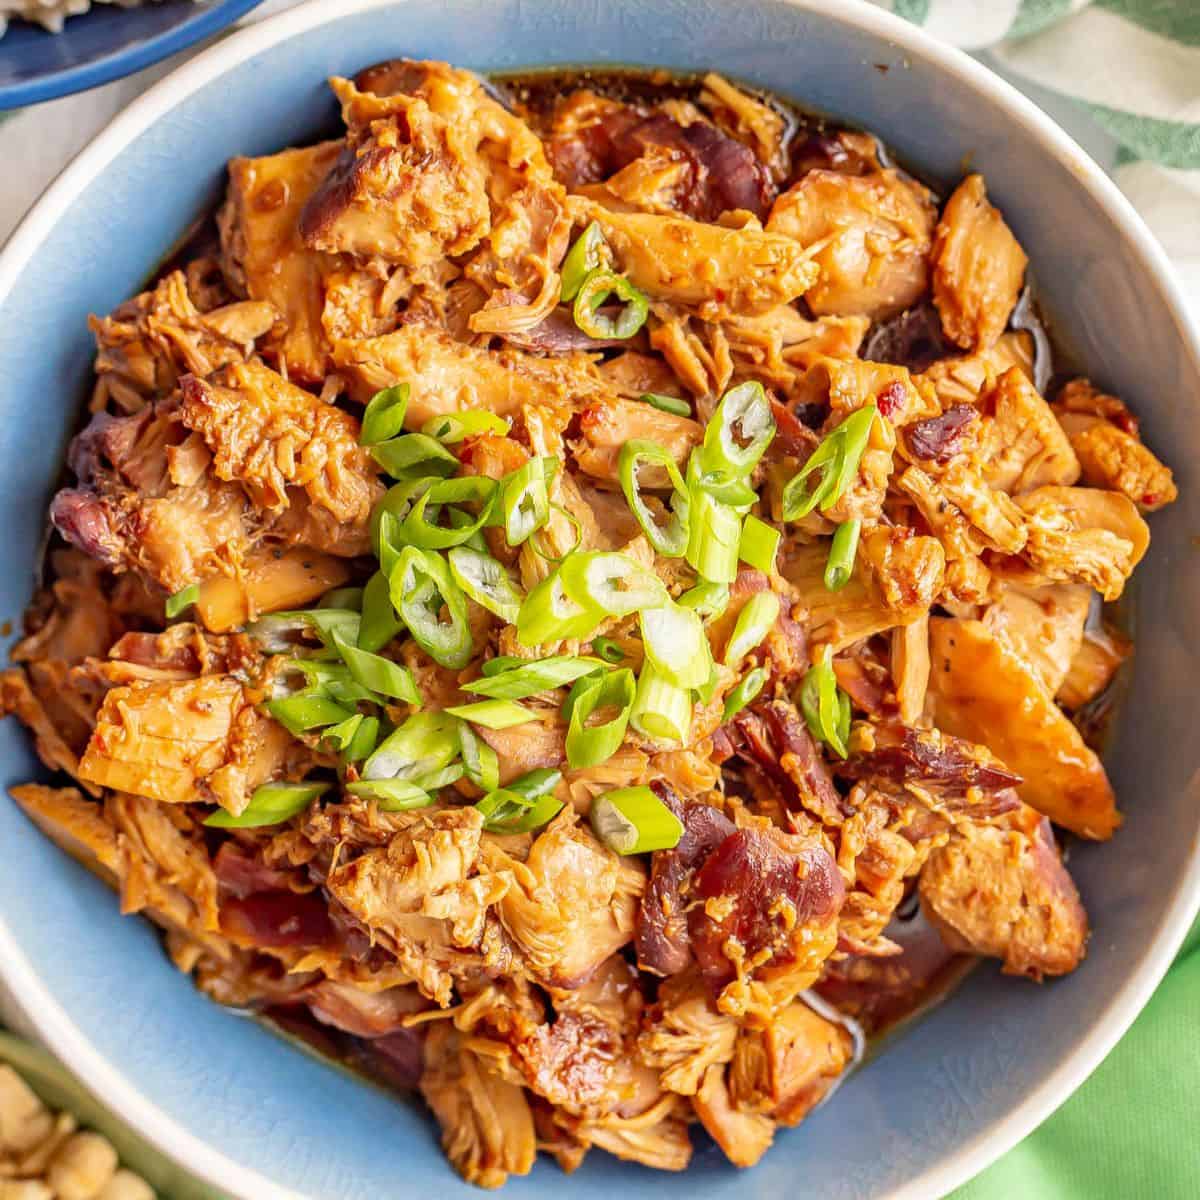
{"points": [[589, 799]]}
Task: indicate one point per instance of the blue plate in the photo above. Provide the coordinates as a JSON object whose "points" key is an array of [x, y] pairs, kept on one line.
{"points": [[101, 45], [265, 1122]]}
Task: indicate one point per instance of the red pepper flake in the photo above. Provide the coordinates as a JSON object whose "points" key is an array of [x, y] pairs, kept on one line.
{"points": [[890, 399], [1150, 498]]}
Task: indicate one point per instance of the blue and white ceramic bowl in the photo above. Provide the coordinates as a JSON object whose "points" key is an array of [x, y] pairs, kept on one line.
{"points": [[261, 1121], [106, 43]]}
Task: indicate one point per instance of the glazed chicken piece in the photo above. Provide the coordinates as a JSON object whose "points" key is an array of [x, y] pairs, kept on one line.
{"points": [[606, 424], [270, 436], [183, 741], [572, 904], [895, 580], [684, 1034], [424, 895], [264, 258], [1105, 438], [409, 184], [846, 385], [446, 376], [1045, 626], [983, 691], [744, 1136], [870, 234], [1002, 890], [487, 1127], [1099, 657], [978, 267], [1083, 535], [710, 269], [963, 378], [144, 345], [1020, 445], [786, 1069]]}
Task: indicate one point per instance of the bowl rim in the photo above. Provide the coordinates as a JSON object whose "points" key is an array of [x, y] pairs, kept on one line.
{"points": [[51, 1022], [127, 59]]}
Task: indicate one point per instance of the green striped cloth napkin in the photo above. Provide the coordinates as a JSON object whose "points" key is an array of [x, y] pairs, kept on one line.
{"points": [[1132, 1132]]}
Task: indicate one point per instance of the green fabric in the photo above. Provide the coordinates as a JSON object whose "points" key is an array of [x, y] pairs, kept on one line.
{"points": [[1130, 1133]]}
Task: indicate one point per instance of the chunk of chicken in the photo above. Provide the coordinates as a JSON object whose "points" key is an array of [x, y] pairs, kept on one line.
{"points": [[264, 257], [685, 1034], [1084, 535], [147, 343], [1021, 446], [1043, 625], [409, 185], [870, 234], [487, 1127], [607, 424], [573, 903], [1002, 890], [709, 269], [1100, 655], [896, 579], [786, 1069], [963, 378], [744, 1137], [983, 691], [424, 895], [910, 668], [183, 741], [17, 699], [74, 824], [270, 435], [446, 376], [846, 385], [978, 267], [1113, 459]]}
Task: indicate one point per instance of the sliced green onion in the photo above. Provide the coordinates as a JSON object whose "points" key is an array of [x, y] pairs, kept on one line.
{"points": [[390, 546], [394, 795], [668, 404], [712, 548], [669, 540], [837, 459], [306, 711], [587, 252], [661, 710], [759, 544], [271, 804], [414, 454], [576, 529], [840, 565], [181, 601], [480, 761], [597, 286], [530, 678], [502, 662], [607, 650], [343, 733], [524, 805], [548, 614], [421, 588], [675, 644], [524, 501], [331, 679], [634, 820], [825, 707], [362, 745], [589, 745], [450, 428], [708, 689], [397, 500], [383, 418], [708, 599], [425, 742], [380, 674], [348, 599], [747, 690], [418, 530], [379, 622], [614, 583], [486, 581], [740, 430], [754, 622], [331, 623], [493, 714], [433, 781]]}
